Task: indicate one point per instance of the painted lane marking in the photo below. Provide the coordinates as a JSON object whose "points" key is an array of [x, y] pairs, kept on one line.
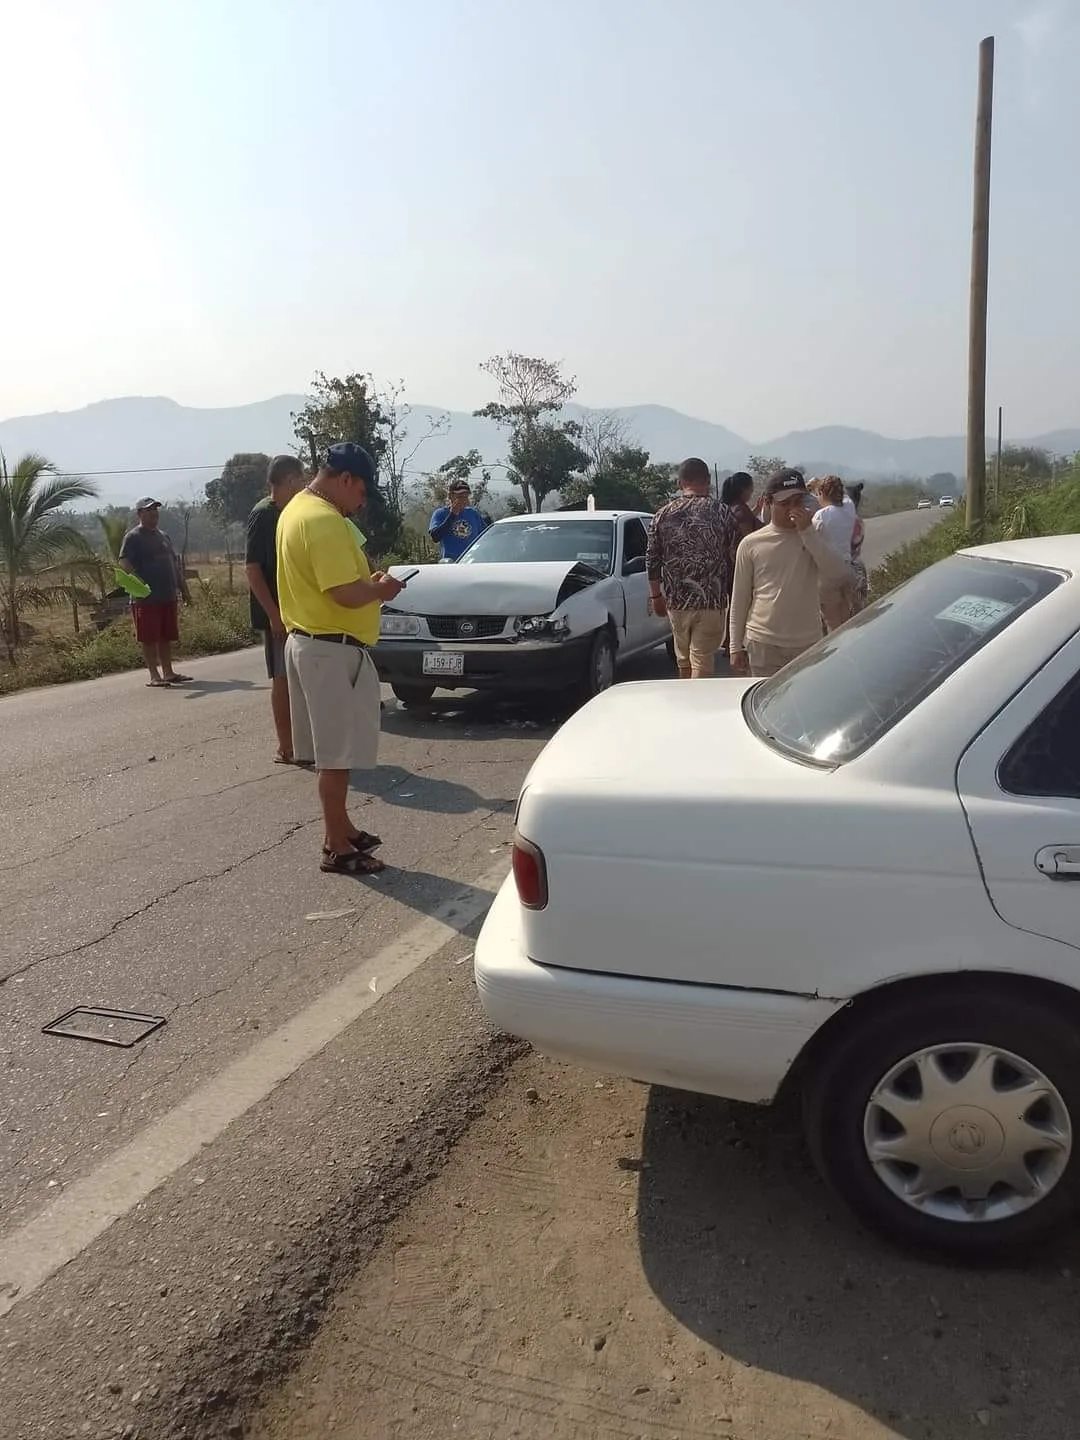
{"points": [[32, 1254]]}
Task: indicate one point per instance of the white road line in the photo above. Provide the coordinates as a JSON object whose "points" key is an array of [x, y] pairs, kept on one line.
{"points": [[35, 1251]]}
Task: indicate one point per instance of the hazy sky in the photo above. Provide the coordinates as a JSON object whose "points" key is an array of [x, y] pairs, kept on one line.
{"points": [[756, 213]]}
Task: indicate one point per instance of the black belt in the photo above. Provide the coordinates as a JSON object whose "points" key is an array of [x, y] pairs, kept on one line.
{"points": [[333, 639]]}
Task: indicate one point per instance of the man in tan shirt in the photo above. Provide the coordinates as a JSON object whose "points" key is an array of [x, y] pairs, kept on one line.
{"points": [[775, 614]]}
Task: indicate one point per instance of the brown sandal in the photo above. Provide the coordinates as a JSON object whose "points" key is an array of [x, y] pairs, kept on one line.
{"points": [[360, 841], [352, 862]]}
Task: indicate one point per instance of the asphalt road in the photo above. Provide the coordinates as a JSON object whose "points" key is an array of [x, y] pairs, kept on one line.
{"points": [[174, 1216]]}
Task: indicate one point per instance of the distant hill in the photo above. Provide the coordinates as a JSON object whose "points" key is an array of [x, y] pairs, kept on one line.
{"points": [[154, 444]]}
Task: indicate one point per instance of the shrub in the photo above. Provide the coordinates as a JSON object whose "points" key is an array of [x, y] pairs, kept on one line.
{"points": [[213, 623]]}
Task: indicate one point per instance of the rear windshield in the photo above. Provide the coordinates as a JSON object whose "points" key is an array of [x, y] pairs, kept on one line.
{"points": [[844, 694]]}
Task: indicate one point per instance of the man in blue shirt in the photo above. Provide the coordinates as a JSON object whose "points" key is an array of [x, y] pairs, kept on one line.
{"points": [[455, 526]]}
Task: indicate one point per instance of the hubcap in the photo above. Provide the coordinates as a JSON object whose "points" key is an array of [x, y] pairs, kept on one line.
{"points": [[604, 667], [967, 1132]]}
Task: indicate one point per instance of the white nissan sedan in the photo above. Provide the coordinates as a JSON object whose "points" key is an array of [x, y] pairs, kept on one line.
{"points": [[859, 878]]}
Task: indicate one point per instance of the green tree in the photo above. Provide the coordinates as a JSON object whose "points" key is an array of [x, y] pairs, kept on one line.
{"points": [[436, 486], [603, 434], [544, 459], [762, 466], [35, 538], [241, 484], [628, 480], [113, 529], [340, 408], [943, 482], [347, 408], [1029, 462], [531, 389], [402, 438]]}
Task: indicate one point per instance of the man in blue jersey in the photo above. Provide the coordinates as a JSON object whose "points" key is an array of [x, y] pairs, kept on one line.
{"points": [[455, 526]]}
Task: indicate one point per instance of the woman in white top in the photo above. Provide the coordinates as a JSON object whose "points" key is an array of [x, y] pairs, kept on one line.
{"points": [[835, 521]]}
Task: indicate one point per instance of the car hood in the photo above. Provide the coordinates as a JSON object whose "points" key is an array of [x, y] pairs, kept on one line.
{"points": [[512, 588]]}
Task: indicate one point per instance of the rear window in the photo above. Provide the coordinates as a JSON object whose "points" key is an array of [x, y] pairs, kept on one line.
{"points": [[840, 697]]}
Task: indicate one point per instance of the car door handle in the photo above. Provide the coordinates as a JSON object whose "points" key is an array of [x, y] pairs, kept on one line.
{"points": [[1059, 862]]}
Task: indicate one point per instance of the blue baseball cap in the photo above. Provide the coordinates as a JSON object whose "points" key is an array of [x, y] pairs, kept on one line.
{"points": [[350, 459]]}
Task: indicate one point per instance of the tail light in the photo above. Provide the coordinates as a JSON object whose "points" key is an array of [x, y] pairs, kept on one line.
{"points": [[530, 874]]}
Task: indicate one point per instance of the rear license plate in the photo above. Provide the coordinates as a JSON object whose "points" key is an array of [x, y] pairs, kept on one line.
{"points": [[443, 662]]}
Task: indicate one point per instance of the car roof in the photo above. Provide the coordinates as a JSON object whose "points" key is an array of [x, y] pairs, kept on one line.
{"points": [[556, 516], [1053, 552]]}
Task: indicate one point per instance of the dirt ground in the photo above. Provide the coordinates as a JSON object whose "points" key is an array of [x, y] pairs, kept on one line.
{"points": [[599, 1261]]}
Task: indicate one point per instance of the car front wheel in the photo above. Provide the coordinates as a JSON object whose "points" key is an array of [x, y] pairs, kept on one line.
{"points": [[418, 694], [948, 1120], [600, 667]]}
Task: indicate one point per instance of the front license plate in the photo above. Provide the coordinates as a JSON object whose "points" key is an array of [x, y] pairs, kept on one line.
{"points": [[443, 662]]}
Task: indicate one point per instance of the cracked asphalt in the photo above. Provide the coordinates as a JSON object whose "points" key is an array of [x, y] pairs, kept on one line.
{"points": [[154, 859]]}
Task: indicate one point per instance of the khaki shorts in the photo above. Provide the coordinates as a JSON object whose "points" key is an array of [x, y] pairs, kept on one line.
{"points": [[838, 599], [767, 659], [698, 635], [334, 702]]}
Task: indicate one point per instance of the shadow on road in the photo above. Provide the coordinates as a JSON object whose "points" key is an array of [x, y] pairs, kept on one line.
{"points": [[473, 715], [745, 1247], [195, 688], [397, 786], [424, 892]]}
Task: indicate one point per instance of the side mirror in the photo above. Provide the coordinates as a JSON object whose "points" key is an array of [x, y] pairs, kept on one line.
{"points": [[634, 566]]}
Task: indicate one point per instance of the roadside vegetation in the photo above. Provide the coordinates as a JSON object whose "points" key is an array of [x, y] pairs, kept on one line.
{"points": [[214, 622], [1038, 495]]}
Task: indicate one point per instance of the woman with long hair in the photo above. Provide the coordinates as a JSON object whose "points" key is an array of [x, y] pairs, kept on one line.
{"points": [[736, 493]]}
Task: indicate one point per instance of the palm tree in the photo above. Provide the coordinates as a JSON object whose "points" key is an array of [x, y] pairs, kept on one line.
{"points": [[34, 537], [113, 529]]}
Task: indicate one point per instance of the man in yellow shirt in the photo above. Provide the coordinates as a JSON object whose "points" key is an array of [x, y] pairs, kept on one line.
{"points": [[329, 601]]}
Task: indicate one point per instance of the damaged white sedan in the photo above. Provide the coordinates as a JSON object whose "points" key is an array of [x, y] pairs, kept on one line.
{"points": [[547, 602]]}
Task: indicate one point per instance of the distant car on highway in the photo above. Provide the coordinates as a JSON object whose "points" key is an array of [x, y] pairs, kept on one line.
{"points": [[857, 881], [925, 505], [552, 601], [946, 502]]}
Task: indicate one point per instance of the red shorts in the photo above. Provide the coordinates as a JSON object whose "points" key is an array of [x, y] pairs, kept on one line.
{"points": [[156, 622]]}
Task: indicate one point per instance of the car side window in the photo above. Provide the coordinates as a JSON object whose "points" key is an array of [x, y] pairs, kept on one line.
{"points": [[635, 541], [1046, 758]]}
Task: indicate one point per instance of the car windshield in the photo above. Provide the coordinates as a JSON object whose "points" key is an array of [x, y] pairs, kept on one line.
{"points": [[589, 542], [840, 697]]}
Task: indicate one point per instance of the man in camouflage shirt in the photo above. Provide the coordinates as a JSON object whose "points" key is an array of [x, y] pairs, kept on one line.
{"points": [[690, 563]]}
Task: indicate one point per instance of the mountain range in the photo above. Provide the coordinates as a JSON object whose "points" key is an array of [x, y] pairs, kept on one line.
{"points": [[138, 444]]}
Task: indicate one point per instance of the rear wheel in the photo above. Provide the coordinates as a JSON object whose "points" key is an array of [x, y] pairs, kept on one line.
{"points": [[600, 667], [948, 1120], [418, 694]]}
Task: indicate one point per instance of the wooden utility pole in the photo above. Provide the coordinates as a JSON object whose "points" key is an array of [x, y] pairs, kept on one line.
{"points": [[980, 269]]}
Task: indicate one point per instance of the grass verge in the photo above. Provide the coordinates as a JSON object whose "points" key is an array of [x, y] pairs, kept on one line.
{"points": [[1020, 513], [213, 623]]}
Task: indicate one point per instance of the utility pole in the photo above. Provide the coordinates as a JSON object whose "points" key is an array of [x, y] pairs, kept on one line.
{"points": [[997, 467], [980, 269]]}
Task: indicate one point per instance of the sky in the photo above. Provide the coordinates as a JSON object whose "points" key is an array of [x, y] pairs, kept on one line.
{"points": [[757, 214]]}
